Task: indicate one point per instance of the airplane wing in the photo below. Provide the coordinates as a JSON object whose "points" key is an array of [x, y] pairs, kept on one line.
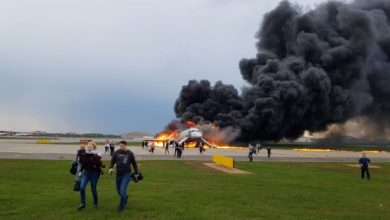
{"points": [[155, 140], [207, 143], [183, 140]]}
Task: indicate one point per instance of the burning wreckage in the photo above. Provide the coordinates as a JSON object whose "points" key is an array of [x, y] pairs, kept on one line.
{"points": [[313, 69], [192, 135]]}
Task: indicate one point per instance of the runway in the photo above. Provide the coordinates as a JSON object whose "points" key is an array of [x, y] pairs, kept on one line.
{"points": [[29, 150]]}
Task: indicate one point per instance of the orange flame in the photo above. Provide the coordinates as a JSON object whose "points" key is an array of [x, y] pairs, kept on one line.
{"points": [[164, 136], [190, 124], [168, 135], [191, 144], [334, 150]]}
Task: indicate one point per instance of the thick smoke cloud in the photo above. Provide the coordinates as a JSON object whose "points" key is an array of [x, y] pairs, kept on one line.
{"points": [[312, 69]]}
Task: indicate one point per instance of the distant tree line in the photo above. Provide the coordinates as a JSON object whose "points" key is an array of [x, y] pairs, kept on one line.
{"points": [[85, 135]]}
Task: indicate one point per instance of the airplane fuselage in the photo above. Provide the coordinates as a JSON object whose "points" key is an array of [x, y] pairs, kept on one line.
{"points": [[191, 134]]}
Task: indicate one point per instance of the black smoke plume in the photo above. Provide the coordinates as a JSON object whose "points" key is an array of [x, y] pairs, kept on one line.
{"points": [[312, 69]]}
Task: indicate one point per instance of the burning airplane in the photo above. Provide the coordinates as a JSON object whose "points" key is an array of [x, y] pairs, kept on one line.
{"points": [[193, 134], [190, 137]]}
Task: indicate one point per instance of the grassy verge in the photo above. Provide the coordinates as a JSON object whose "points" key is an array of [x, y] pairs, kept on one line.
{"points": [[42, 189]]}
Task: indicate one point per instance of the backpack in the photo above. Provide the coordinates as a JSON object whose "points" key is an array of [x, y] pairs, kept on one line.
{"points": [[76, 186], [137, 179], [73, 167]]}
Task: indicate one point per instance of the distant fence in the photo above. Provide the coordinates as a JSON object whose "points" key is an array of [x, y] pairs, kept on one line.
{"points": [[225, 161]]}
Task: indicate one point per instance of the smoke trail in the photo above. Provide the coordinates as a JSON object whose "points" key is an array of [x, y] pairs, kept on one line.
{"points": [[360, 128], [312, 69]]}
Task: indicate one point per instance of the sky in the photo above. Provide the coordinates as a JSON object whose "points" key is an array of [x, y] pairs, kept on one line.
{"points": [[115, 66]]}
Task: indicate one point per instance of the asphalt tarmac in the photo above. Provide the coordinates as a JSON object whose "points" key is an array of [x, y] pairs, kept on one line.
{"points": [[30, 150]]}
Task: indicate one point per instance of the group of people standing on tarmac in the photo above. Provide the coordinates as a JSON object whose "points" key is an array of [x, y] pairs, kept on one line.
{"points": [[109, 147], [177, 146], [256, 150], [146, 146], [90, 168]]}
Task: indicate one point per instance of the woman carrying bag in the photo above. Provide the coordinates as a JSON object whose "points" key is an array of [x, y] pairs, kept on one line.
{"points": [[90, 172]]}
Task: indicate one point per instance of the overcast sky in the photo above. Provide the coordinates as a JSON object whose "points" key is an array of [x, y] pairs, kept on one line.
{"points": [[115, 66]]}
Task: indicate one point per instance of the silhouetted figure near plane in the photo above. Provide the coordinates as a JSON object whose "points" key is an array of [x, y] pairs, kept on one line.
{"points": [[269, 151], [178, 149], [252, 150], [201, 147], [258, 147], [175, 146], [166, 147], [364, 162]]}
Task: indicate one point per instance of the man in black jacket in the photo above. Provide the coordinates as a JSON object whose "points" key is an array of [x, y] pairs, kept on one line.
{"points": [[124, 159], [364, 162]]}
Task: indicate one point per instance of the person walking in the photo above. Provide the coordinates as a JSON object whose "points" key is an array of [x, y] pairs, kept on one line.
{"points": [[90, 172], [178, 149], [269, 151], [144, 145], [252, 151], [166, 147], [201, 147], [107, 146], [112, 147], [258, 147], [152, 146], [123, 159], [176, 146], [364, 162], [80, 159]]}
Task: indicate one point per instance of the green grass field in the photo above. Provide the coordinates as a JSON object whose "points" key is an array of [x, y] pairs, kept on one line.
{"points": [[42, 189]]}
